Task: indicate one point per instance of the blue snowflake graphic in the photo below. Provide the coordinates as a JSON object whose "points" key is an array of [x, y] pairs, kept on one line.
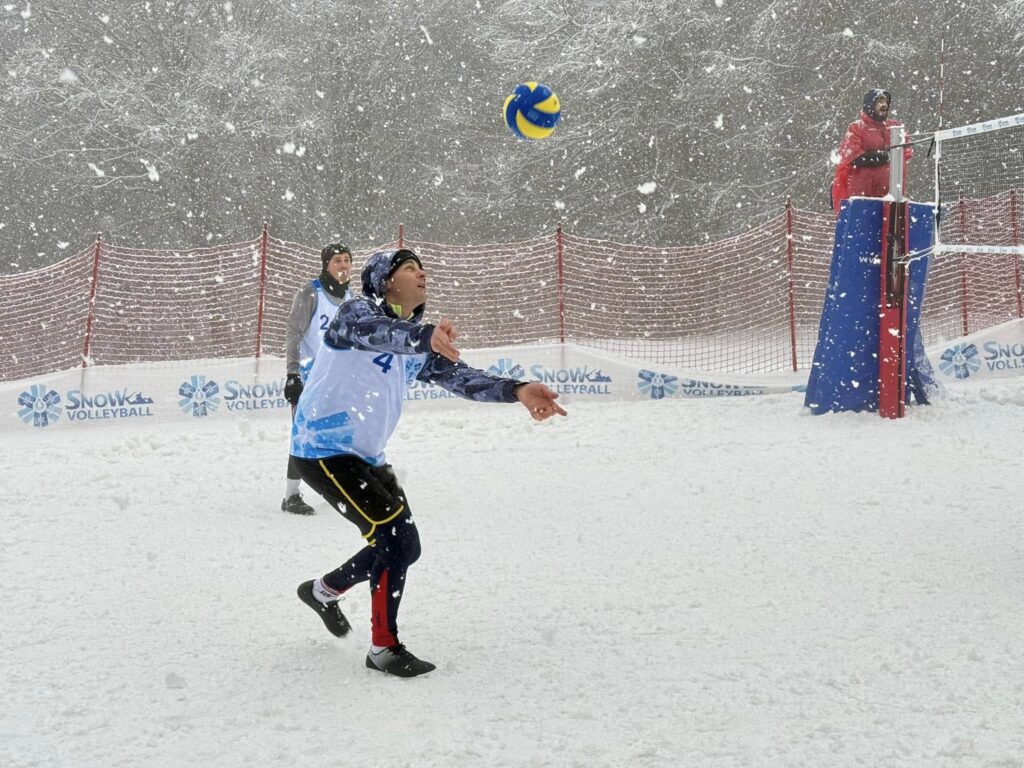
{"points": [[412, 369], [199, 396], [657, 385], [507, 368], [960, 361], [40, 406]]}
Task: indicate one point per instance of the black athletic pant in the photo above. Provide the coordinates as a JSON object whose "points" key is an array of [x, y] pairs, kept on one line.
{"points": [[293, 469], [293, 465], [370, 498]]}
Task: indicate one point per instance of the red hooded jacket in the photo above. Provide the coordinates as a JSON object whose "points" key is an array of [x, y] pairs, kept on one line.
{"points": [[864, 135]]}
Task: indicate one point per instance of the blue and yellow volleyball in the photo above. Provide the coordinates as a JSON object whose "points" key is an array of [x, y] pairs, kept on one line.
{"points": [[532, 111]]}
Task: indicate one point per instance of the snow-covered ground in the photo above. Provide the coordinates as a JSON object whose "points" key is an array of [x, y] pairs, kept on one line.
{"points": [[702, 583]]}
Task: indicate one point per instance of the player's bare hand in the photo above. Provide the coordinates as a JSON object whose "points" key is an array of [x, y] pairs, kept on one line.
{"points": [[443, 338], [449, 328], [539, 401]]}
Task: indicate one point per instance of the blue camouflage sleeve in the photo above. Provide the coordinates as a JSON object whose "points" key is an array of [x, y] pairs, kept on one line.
{"points": [[361, 324], [465, 381]]}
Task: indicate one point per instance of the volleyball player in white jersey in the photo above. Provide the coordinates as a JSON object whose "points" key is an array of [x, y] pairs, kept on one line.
{"points": [[313, 308], [373, 349]]}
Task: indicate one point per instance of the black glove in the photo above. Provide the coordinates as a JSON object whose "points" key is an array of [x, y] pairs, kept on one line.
{"points": [[293, 388], [872, 159]]}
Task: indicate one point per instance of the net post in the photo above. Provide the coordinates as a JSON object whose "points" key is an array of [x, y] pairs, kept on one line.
{"points": [[91, 314], [789, 278], [560, 251], [892, 314], [264, 243], [896, 162], [401, 235], [961, 208]]}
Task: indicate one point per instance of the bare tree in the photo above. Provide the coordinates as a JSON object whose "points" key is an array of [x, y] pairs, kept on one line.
{"points": [[181, 122]]}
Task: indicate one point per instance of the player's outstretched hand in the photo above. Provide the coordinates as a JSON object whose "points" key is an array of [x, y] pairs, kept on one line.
{"points": [[443, 338], [539, 401]]}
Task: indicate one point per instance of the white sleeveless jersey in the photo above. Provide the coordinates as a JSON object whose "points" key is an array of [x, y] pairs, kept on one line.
{"points": [[352, 402], [309, 344]]}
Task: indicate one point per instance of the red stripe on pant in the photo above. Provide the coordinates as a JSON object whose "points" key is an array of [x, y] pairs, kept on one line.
{"points": [[381, 633]]}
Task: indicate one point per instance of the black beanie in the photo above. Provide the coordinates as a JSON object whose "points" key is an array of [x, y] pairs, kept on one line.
{"points": [[331, 251], [401, 256]]}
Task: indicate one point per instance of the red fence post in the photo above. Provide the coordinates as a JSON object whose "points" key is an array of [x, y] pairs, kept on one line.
{"points": [[91, 316], [1015, 231], [789, 276], [964, 315], [560, 249], [264, 238], [401, 236]]}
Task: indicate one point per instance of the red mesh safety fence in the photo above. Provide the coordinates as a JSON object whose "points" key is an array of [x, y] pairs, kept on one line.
{"points": [[497, 295], [988, 221], [967, 292], [43, 317], [153, 305], [746, 304], [721, 306], [812, 238]]}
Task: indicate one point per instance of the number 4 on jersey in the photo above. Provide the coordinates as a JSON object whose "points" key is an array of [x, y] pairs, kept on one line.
{"points": [[384, 361]]}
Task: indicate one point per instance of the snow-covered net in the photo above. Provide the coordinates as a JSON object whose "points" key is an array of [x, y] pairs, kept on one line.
{"points": [[967, 292], [979, 181], [746, 304], [975, 275]]}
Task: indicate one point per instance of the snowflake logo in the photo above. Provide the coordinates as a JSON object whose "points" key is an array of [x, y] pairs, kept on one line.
{"points": [[657, 385], [40, 406], [507, 368], [199, 396], [960, 361], [413, 365]]}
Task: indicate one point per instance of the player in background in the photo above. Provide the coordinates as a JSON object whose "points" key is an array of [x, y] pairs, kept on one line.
{"points": [[373, 350], [863, 168], [313, 308]]}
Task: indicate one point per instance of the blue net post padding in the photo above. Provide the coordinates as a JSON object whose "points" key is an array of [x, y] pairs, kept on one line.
{"points": [[844, 374]]}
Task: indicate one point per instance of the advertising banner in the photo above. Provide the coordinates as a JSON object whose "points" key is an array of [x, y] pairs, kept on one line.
{"points": [[993, 353], [145, 394]]}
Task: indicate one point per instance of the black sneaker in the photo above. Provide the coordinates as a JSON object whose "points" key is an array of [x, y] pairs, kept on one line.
{"points": [[329, 613], [396, 660], [296, 505]]}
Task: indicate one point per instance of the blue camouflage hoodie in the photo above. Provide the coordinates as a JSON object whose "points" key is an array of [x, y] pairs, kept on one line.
{"points": [[353, 397]]}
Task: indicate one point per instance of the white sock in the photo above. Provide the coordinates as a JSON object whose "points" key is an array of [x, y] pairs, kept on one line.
{"points": [[291, 488], [375, 649], [323, 593]]}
